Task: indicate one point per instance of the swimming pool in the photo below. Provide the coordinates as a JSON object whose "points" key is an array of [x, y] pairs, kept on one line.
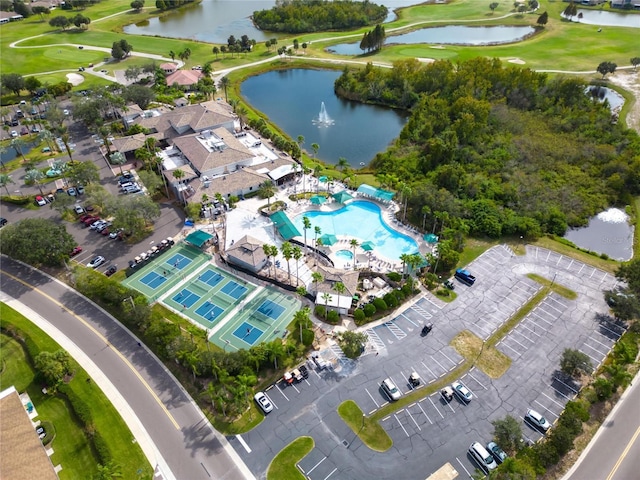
{"points": [[361, 220], [345, 255]]}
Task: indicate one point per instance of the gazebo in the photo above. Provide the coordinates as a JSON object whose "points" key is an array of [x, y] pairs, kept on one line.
{"points": [[342, 197], [199, 238]]}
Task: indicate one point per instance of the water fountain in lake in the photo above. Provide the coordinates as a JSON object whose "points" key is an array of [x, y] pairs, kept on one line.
{"points": [[323, 120]]}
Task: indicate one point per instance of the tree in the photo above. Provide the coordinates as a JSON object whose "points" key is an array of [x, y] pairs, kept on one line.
{"points": [[13, 82], [60, 21], [316, 277], [635, 61], [80, 21], [224, 83], [306, 225], [34, 177], [570, 11], [41, 10], [139, 94], [151, 180], [297, 255], [493, 6], [315, 147], [137, 5], [574, 362], [37, 241], [354, 244], [287, 254], [172, 54], [352, 343], [18, 145], [132, 73], [606, 67], [83, 173], [116, 51], [215, 50], [543, 19], [126, 47], [267, 190], [54, 367], [507, 433], [32, 84], [326, 296], [5, 180]]}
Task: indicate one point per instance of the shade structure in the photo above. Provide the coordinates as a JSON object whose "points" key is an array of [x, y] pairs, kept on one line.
{"points": [[328, 239], [367, 246], [430, 238], [323, 179], [318, 199], [342, 197]]}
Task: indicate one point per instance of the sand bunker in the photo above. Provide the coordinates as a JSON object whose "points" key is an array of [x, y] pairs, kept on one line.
{"points": [[75, 79], [426, 60], [517, 61]]}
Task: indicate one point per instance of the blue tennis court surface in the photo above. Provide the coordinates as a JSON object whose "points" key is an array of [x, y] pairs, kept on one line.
{"points": [[270, 309], [209, 311], [153, 280], [186, 298], [211, 278], [234, 289], [178, 261], [248, 333]]}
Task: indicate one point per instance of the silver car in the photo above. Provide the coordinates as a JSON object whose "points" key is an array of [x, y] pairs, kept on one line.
{"points": [[537, 421], [483, 458], [462, 392], [390, 389], [263, 402]]}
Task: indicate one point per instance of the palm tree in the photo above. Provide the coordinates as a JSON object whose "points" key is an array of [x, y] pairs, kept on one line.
{"points": [[326, 296], [315, 147], [266, 248], [339, 288], [301, 317], [5, 180], [300, 141], [47, 136], [66, 139], [224, 83], [316, 277], [295, 168], [105, 132], [172, 54], [276, 349], [354, 244], [342, 164], [267, 190], [306, 225], [406, 191], [179, 175], [18, 145], [34, 176], [297, 255], [405, 260], [287, 253], [317, 231], [274, 254]]}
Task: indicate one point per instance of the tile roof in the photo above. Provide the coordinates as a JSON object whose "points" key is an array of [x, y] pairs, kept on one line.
{"points": [[203, 159], [130, 143], [184, 77], [331, 276], [249, 250]]}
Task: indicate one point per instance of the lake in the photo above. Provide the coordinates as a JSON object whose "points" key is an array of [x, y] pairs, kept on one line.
{"points": [[449, 35], [616, 101], [607, 19], [608, 232], [292, 99], [215, 21]]}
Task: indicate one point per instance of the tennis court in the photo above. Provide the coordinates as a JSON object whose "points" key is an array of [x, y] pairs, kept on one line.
{"points": [[167, 271], [186, 298], [234, 290], [211, 278], [209, 311], [261, 319], [153, 280]]}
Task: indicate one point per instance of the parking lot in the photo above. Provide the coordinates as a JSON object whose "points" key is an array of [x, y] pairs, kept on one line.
{"points": [[431, 432]]}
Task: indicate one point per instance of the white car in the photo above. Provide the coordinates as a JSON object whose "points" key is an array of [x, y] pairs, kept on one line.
{"points": [[462, 392], [40, 201], [65, 111], [263, 402], [79, 209], [96, 262], [390, 389], [483, 458], [537, 421], [14, 134]]}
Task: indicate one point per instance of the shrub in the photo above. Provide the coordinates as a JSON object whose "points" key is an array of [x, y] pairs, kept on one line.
{"points": [[394, 276], [307, 337], [320, 311], [579, 408], [102, 448], [333, 317], [562, 439], [80, 408], [391, 300], [399, 294], [546, 454], [369, 310], [603, 388], [380, 305], [358, 316]]}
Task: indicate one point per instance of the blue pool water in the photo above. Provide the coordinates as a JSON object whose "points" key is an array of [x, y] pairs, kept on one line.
{"points": [[344, 255], [361, 220]]}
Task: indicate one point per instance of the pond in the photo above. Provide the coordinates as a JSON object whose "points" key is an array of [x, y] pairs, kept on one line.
{"points": [[449, 35], [294, 100], [9, 153], [616, 101], [607, 19], [608, 232], [215, 21]]}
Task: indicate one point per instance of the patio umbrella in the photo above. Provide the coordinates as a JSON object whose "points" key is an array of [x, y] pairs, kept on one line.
{"points": [[367, 246], [318, 199], [328, 239], [430, 238], [342, 197], [323, 179]]}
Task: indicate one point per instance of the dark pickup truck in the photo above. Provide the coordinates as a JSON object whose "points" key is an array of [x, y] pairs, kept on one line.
{"points": [[465, 277]]}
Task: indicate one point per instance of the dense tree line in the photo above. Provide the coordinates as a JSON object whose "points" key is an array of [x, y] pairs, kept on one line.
{"points": [[498, 151], [169, 4], [303, 16], [373, 39]]}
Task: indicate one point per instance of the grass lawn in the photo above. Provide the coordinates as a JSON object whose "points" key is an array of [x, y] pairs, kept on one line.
{"points": [[283, 466], [72, 450], [488, 359], [370, 432]]}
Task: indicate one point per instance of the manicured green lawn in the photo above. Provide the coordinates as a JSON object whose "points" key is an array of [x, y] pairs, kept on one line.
{"points": [[370, 432], [72, 450], [283, 466]]}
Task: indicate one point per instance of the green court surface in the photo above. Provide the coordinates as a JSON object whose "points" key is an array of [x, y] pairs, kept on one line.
{"points": [[209, 296], [261, 319], [168, 270]]}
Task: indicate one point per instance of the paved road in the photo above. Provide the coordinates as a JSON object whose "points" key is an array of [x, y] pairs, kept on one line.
{"points": [[184, 441], [614, 453]]}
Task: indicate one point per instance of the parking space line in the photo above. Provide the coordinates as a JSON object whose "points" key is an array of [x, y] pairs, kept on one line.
{"points": [[401, 426], [463, 467], [534, 313], [507, 345], [605, 345], [332, 472], [295, 388], [445, 356], [612, 331], [395, 330], [316, 465], [280, 390], [484, 330], [434, 406], [511, 337], [271, 400], [409, 320], [440, 365], [595, 349], [554, 401], [598, 360], [606, 338], [518, 332], [522, 325], [430, 371], [370, 396], [565, 384], [545, 408], [477, 381], [425, 413], [558, 391], [414, 420]]}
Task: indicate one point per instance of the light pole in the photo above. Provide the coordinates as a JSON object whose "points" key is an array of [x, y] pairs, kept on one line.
{"points": [[358, 432], [522, 241], [554, 279]]}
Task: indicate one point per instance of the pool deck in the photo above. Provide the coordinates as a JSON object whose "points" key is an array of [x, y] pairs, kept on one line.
{"points": [[245, 220]]}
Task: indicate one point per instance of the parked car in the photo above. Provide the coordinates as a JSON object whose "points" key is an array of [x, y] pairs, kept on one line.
{"points": [[113, 235], [449, 284], [14, 134], [66, 112], [497, 452], [79, 209], [72, 191], [462, 392], [483, 458], [80, 189], [426, 329], [96, 262], [390, 389], [40, 201], [111, 270], [96, 224], [103, 227], [447, 393], [537, 421], [3, 222], [263, 402], [75, 251]]}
